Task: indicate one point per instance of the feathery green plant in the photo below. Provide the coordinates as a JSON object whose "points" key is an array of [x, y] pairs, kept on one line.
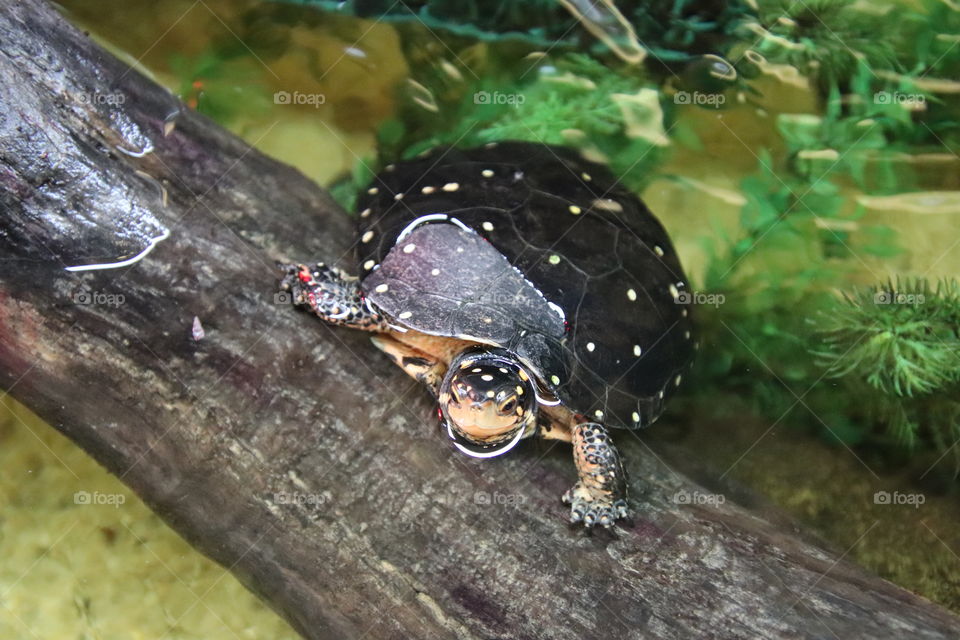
{"points": [[898, 347]]}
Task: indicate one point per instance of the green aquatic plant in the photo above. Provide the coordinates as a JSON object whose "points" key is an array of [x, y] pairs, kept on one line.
{"points": [[613, 115], [795, 241], [897, 346], [669, 30], [902, 82], [858, 134], [902, 338], [681, 29], [825, 39]]}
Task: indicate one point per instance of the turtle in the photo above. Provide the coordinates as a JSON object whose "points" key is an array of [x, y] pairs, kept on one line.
{"points": [[532, 294]]}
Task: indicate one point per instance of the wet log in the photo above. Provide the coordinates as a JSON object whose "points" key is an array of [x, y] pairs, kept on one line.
{"points": [[296, 455]]}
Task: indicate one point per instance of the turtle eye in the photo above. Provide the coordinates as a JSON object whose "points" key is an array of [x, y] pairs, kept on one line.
{"points": [[508, 406]]}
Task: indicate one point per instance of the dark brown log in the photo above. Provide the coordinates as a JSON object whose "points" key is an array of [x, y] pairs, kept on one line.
{"points": [[390, 533]]}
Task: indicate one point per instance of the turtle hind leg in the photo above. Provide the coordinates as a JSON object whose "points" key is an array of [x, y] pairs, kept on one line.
{"points": [[419, 365], [332, 295], [599, 497]]}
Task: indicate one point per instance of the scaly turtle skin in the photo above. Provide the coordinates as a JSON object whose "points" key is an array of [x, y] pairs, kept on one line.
{"points": [[530, 292]]}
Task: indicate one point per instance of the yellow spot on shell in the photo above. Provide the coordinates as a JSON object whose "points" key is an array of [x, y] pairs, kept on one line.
{"points": [[409, 248], [657, 250], [488, 226], [405, 315], [381, 288], [637, 350], [428, 190], [591, 346], [586, 177], [373, 191], [523, 375], [607, 204], [368, 265], [554, 259], [519, 390], [435, 272], [451, 186], [367, 237], [575, 210], [398, 196], [487, 173], [554, 379], [674, 291], [632, 295], [635, 416], [365, 213]]}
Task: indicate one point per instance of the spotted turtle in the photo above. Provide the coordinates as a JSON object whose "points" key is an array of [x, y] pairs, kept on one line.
{"points": [[530, 291]]}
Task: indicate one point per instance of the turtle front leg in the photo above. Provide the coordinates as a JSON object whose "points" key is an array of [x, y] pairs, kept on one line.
{"points": [[599, 497], [419, 365], [333, 295]]}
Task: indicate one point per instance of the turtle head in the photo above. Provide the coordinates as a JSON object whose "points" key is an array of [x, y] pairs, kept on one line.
{"points": [[487, 402]]}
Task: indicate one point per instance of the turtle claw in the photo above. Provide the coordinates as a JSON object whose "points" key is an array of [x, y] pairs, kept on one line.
{"points": [[593, 507]]}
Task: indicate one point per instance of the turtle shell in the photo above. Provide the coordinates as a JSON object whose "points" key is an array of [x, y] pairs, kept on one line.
{"points": [[537, 250]]}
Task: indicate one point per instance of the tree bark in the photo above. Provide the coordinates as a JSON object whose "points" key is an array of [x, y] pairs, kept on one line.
{"points": [[295, 454]]}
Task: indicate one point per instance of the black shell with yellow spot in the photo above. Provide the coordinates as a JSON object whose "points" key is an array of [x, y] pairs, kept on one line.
{"points": [[535, 249]]}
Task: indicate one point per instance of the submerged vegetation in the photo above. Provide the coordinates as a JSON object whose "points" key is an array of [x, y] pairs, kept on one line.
{"points": [[897, 347]]}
